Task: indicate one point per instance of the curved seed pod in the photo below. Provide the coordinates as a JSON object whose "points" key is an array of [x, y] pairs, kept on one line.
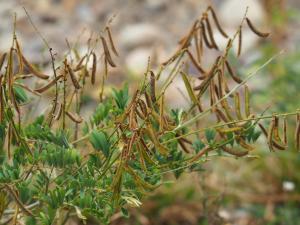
{"points": [[227, 109], [205, 150], [210, 34], [140, 114], [285, 130], [107, 53], [112, 45], [221, 115], [247, 101], [257, 32], [183, 146], [59, 111], [205, 39], [234, 152], [297, 133], [231, 73], [132, 118], [19, 52], [27, 88], [148, 100], [195, 63], [275, 144], [73, 78], [240, 42], [94, 68], [152, 87], [74, 117], [246, 146], [270, 134], [2, 59], [143, 106], [237, 106], [197, 46], [276, 128], [47, 86], [215, 18], [79, 64], [33, 70]]}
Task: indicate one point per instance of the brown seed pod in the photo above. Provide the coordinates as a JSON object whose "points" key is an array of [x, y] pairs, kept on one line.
{"points": [[148, 100], [183, 146], [215, 18], [79, 64], [107, 53], [257, 32], [235, 152], [270, 134], [59, 112], [33, 70], [2, 59], [152, 87], [94, 68], [19, 52], [274, 143], [195, 63], [276, 129], [210, 34], [143, 106], [221, 115], [73, 78], [247, 101], [285, 140], [50, 84], [205, 150], [232, 74], [297, 133], [112, 45], [240, 42], [237, 106], [132, 118], [74, 117], [204, 35], [197, 46], [243, 144], [227, 109]]}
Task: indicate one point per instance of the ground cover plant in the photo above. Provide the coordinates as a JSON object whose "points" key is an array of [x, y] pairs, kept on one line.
{"points": [[59, 165]]}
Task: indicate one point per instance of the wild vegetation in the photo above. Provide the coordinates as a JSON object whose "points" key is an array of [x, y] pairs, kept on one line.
{"points": [[59, 164]]}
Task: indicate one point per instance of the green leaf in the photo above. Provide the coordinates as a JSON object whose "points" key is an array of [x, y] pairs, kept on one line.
{"points": [[20, 94], [210, 135], [100, 142], [121, 97], [198, 145], [125, 212]]}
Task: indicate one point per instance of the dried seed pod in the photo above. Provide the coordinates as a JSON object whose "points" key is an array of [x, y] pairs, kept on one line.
{"points": [[19, 52], [247, 101], [231, 73], [205, 38], [276, 129], [240, 37], [197, 46], [132, 119], [152, 87], [274, 143], [285, 140], [210, 34], [270, 134], [228, 130], [112, 45], [257, 32], [107, 53], [227, 109], [297, 133], [237, 106], [215, 18], [243, 144], [73, 78], [2, 59], [148, 100], [94, 68], [183, 146], [33, 70], [79, 64], [205, 150], [59, 112], [47, 86], [221, 115], [161, 113], [143, 106], [195, 63], [234, 152], [27, 88], [74, 117]]}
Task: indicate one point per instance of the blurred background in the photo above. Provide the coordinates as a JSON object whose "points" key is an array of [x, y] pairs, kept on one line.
{"points": [[264, 190]]}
